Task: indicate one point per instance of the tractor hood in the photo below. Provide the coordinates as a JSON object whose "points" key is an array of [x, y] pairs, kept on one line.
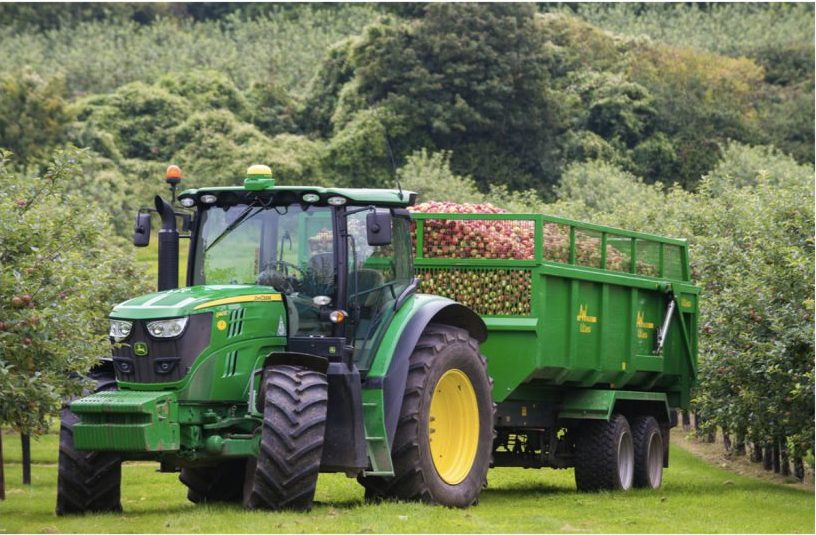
{"points": [[191, 300]]}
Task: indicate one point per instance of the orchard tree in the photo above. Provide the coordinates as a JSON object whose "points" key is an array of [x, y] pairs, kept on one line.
{"points": [[61, 270]]}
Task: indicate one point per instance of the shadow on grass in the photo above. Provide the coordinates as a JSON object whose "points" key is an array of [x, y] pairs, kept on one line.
{"points": [[525, 490]]}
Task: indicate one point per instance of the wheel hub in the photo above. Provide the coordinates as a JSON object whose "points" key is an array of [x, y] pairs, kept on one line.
{"points": [[453, 427]]}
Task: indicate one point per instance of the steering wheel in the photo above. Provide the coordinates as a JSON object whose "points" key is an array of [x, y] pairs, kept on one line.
{"points": [[278, 277], [286, 265]]}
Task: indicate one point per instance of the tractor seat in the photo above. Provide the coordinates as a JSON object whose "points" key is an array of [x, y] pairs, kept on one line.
{"points": [[321, 267]]}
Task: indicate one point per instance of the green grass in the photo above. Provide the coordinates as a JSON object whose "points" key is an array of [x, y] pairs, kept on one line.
{"points": [[696, 497]]}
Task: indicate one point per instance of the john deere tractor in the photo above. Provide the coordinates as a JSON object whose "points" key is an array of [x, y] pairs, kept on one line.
{"points": [[298, 345]]}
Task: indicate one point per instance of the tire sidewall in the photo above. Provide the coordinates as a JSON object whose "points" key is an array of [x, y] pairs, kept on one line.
{"points": [[654, 432], [622, 428], [646, 428], [458, 356]]}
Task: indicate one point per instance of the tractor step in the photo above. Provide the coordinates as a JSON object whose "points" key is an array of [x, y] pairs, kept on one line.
{"points": [[379, 450]]}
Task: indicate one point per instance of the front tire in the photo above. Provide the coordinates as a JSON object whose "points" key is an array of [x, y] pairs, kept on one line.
{"points": [[284, 475], [444, 437], [87, 481], [604, 455]]}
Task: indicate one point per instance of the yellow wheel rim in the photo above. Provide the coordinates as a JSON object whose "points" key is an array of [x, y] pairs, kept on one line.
{"points": [[453, 426]]}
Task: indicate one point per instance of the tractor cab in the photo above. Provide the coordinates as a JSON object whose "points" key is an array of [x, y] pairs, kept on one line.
{"points": [[340, 258]]}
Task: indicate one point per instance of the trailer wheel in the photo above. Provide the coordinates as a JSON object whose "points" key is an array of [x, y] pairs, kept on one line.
{"points": [[87, 481], [604, 455], [221, 483], [284, 474], [648, 441], [444, 438]]}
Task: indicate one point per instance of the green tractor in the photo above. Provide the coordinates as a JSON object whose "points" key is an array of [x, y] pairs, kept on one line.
{"points": [[299, 345]]}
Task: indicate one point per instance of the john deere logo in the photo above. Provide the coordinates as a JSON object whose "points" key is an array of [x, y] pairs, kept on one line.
{"points": [[140, 349]]}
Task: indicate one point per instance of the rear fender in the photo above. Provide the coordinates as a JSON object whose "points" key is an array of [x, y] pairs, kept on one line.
{"points": [[389, 368]]}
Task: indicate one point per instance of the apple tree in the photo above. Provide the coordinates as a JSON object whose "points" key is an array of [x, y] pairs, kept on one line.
{"points": [[61, 269]]}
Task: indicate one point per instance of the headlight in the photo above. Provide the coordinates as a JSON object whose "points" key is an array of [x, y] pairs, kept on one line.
{"points": [[167, 328], [120, 329]]}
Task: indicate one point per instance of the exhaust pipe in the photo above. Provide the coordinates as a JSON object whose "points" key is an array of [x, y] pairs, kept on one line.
{"points": [[168, 246]]}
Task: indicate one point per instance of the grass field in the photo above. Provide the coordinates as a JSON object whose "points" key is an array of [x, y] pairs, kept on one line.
{"points": [[696, 497]]}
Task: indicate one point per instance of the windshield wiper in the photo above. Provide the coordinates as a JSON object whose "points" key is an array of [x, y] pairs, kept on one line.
{"points": [[245, 215]]}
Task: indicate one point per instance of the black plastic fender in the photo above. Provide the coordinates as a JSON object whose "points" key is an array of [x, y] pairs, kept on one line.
{"points": [[290, 358], [443, 311]]}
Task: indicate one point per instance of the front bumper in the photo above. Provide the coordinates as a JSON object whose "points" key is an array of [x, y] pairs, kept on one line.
{"points": [[128, 421]]}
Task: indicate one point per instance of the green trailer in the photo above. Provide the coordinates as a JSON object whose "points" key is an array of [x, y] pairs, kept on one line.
{"points": [[600, 327], [332, 330]]}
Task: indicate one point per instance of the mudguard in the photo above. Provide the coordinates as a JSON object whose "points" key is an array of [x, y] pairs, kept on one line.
{"points": [[389, 368]]}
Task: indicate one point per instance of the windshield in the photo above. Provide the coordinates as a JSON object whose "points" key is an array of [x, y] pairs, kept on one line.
{"points": [[290, 248]]}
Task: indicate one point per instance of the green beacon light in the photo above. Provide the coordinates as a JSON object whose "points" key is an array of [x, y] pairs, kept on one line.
{"points": [[259, 177]]}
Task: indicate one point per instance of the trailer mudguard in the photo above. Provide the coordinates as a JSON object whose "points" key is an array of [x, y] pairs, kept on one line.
{"points": [[592, 404], [389, 368]]}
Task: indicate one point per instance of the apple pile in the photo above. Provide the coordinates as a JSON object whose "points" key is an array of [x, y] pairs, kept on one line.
{"points": [[494, 292], [481, 238], [509, 239]]}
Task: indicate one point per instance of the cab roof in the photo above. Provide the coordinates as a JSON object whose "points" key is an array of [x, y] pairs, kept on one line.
{"points": [[227, 195]]}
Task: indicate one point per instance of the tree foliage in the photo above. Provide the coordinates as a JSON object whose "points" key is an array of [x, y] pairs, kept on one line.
{"points": [[463, 77], [60, 272], [34, 116]]}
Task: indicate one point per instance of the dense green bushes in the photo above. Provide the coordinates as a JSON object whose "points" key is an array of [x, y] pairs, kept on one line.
{"points": [[34, 116], [778, 37], [99, 56], [60, 271]]}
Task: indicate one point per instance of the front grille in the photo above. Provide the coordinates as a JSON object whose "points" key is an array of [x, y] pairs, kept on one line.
{"points": [[167, 360]]}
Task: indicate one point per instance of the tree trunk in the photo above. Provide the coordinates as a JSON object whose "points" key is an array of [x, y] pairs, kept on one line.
{"points": [[756, 453], [739, 445], [25, 442], [776, 467], [783, 457], [726, 440], [767, 458], [686, 421], [2, 475], [711, 436], [798, 468]]}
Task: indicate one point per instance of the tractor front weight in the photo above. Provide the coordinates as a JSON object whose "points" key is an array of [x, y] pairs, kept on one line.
{"points": [[140, 424]]}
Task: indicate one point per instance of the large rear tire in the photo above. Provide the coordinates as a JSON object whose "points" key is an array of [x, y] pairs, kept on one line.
{"points": [[604, 455], [87, 481], [648, 442], [284, 475], [221, 483], [444, 437]]}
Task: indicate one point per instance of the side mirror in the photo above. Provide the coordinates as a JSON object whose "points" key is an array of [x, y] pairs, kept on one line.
{"points": [[378, 227], [141, 233]]}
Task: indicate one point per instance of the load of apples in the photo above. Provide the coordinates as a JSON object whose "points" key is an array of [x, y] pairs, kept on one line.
{"points": [[474, 238], [507, 239], [494, 292]]}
